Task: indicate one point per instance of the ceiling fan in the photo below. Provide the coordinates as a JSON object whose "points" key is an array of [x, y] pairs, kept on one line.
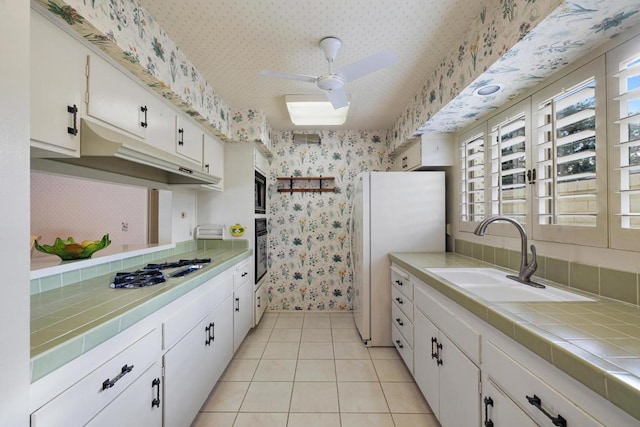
{"points": [[332, 84]]}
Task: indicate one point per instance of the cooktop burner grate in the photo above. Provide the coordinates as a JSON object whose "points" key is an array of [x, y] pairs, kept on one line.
{"points": [[152, 274]]}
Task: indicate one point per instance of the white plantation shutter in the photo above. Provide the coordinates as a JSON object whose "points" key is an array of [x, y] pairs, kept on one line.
{"points": [[623, 68], [508, 160], [472, 178], [569, 153]]}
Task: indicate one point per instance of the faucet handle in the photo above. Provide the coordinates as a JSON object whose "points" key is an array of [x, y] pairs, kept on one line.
{"points": [[533, 264]]}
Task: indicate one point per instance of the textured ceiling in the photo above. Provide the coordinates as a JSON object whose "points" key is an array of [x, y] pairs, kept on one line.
{"points": [[230, 41]]}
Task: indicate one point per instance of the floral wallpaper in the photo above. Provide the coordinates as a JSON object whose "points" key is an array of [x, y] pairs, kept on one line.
{"points": [[514, 43], [250, 124], [309, 257], [127, 33]]}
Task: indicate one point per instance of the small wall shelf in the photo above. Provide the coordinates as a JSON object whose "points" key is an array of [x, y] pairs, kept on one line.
{"points": [[325, 184]]}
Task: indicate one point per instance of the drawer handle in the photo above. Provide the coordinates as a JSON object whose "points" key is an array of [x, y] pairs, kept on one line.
{"points": [[244, 274], [399, 301], [487, 421], [399, 283], [237, 304], [258, 302], [155, 403], [400, 322], [73, 110], [399, 344], [439, 361], [110, 383], [210, 331], [537, 402]]}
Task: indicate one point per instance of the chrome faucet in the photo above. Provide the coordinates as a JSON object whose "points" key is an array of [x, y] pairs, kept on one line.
{"points": [[527, 268]]}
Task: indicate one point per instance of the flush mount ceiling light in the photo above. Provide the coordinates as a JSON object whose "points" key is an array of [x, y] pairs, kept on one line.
{"points": [[487, 89], [314, 110]]}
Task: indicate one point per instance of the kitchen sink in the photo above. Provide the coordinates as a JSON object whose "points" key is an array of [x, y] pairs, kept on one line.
{"points": [[493, 285]]}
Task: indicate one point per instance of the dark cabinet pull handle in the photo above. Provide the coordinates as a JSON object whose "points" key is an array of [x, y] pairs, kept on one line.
{"points": [[399, 344], [258, 302], [400, 322], [110, 383], [487, 421], [73, 110], [207, 167], [529, 175], [244, 274], [534, 176], [399, 301], [537, 402], [144, 123], [237, 304], [404, 162], [155, 403], [399, 283], [181, 136], [434, 351], [207, 331], [439, 347]]}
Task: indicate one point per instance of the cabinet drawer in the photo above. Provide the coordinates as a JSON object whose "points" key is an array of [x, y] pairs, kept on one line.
{"points": [[405, 350], [518, 383], [402, 282], [402, 302], [400, 321], [463, 335], [242, 274], [81, 402], [196, 308]]}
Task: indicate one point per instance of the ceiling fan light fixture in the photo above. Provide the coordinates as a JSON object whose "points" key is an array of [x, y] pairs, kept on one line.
{"points": [[314, 110]]}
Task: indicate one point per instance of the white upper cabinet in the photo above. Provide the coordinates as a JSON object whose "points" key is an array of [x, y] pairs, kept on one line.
{"points": [[431, 149], [160, 124], [116, 99], [57, 85], [188, 139], [213, 159]]}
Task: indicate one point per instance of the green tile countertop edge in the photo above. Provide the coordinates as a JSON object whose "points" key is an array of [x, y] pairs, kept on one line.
{"points": [[523, 322], [56, 340]]}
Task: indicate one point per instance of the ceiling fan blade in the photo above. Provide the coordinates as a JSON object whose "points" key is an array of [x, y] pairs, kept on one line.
{"points": [[337, 98], [367, 65], [288, 76]]}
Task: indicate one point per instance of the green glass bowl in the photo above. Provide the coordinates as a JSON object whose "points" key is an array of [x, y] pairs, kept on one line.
{"points": [[70, 250]]}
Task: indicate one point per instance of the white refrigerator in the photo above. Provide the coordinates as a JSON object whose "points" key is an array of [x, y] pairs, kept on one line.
{"points": [[391, 212]]}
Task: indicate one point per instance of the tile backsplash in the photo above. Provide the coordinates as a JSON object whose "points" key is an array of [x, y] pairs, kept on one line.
{"points": [[619, 285]]}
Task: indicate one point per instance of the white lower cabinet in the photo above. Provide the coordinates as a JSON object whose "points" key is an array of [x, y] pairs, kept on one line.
{"points": [[194, 364], [242, 303], [140, 404], [449, 380], [260, 300], [107, 388], [500, 410]]}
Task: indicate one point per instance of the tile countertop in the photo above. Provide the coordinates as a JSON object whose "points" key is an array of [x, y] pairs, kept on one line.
{"points": [[595, 342], [69, 321]]}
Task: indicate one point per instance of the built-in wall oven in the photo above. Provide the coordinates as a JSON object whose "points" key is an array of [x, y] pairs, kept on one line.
{"points": [[261, 248], [260, 194]]}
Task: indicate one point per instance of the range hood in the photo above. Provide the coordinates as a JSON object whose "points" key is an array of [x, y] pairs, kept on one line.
{"points": [[107, 150]]}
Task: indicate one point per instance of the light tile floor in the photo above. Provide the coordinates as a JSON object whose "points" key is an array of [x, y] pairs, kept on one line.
{"points": [[312, 370]]}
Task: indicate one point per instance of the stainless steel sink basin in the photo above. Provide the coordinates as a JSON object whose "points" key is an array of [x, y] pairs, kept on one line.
{"points": [[493, 285]]}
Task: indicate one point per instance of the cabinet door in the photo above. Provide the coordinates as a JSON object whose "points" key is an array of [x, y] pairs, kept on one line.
{"points": [[459, 386], [189, 139], [160, 125], [425, 367], [260, 300], [191, 367], [213, 158], [139, 405], [115, 98], [57, 84], [242, 313], [501, 410]]}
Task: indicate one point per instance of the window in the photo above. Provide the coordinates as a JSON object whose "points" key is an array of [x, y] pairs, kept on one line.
{"points": [[472, 179], [570, 158], [623, 67], [508, 133]]}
